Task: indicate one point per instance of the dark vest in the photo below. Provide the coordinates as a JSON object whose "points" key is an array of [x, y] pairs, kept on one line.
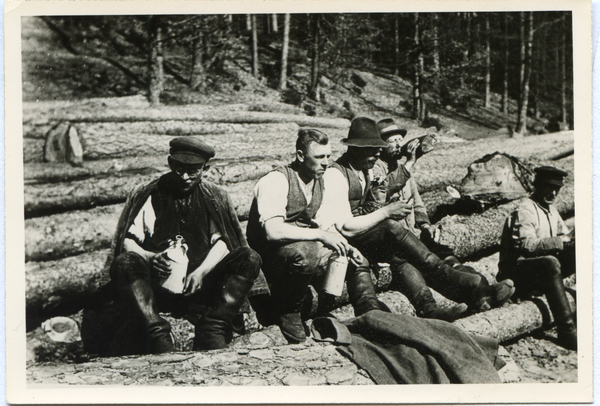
{"points": [[356, 197], [298, 211]]}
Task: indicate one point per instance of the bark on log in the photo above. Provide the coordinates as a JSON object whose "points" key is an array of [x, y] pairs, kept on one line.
{"points": [[448, 164], [221, 171], [192, 113], [470, 234], [41, 200]]}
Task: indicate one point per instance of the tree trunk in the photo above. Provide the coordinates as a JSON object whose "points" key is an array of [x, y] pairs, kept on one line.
{"points": [[418, 108], [488, 62], [505, 99], [521, 127], [155, 61], [248, 22], [563, 75], [314, 70], [284, 52], [522, 49], [254, 47], [396, 45], [274, 23], [197, 76], [436, 51]]}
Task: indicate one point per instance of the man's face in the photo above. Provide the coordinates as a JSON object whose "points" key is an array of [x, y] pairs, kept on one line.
{"points": [[364, 158], [547, 193], [315, 160], [395, 146], [187, 176]]}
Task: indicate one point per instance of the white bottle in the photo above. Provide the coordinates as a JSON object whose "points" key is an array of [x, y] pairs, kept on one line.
{"points": [[176, 254], [335, 275]]}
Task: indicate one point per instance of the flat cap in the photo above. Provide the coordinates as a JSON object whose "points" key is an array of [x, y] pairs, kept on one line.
{"points": [[190, 150], [551, 175]]}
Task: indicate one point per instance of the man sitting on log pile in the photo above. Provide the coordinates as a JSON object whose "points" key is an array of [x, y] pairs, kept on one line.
{"points": [[293, 225], [537, 251], [175, 223], [393, 181], [381, 237]]}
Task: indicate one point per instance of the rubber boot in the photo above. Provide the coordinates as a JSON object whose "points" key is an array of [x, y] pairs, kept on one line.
{"points": [[361, 290], [561, 310], [416, 290], [487, 296], [288, 294], [214, 330], [143, 308]]}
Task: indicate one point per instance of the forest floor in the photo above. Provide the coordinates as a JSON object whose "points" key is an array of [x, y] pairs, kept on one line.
{"points": [[539, 358]]}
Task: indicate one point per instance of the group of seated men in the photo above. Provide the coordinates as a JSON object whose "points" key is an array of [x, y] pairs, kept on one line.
{"points": [[365, 206]]}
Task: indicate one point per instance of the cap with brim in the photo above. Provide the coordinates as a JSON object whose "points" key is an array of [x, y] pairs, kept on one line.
{"points": [[550, 175], [363, 133], [190, 150], [387, 128]]}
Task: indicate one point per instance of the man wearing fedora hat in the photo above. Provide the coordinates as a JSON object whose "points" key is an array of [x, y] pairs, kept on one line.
{"points": [[293, 225], [537, 251], [381, 238], [220, 269]]}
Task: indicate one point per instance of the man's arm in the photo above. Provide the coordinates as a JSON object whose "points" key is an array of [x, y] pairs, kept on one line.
{"points": [[525, 233]]}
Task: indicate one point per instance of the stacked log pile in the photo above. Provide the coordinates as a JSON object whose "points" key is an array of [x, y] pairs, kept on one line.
{"points": [[72, 211]]}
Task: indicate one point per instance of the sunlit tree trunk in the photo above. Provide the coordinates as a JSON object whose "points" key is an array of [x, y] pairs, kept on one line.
{"points": [[274, 23], [505, 99], [396, 45], [436, 51], [314, 71], [155, 61], [197, 77], [521, 127], [418, 111], [563, 74], [254, 47], [284, 52], [488, 61]]}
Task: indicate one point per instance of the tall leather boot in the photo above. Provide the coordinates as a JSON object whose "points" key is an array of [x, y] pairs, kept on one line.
{"points": [[561, 310], [145, 314], [361, 290], [214, 330], [288, 294], [414, 287], [487, 296]]}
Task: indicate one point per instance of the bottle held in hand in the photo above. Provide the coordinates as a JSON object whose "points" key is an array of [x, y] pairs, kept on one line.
{"points": [[335, 275], [176, 254]]}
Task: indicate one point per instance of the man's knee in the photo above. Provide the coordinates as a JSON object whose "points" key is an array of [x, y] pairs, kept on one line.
{"points": [[251, 261], [549, 266], [301, 257], [129, 265]]}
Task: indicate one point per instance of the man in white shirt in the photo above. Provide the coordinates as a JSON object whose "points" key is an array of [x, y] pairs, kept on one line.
{"points": [[381, 237], [293, 226], [537, 251]]}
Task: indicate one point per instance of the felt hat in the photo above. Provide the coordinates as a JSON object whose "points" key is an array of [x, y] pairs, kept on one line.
{"points": [[363, 133], [388, 128], [550, 175], [190, 150]]}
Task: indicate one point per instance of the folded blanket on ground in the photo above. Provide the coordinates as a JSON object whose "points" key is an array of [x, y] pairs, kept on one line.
{"points": [[395, 349]]}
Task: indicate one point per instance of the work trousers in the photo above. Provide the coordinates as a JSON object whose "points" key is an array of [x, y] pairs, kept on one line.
{"points": [[391, 243]]}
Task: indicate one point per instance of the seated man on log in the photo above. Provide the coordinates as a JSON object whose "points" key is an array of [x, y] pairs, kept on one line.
{"points": [[537, 251], [393, 181], [381, 237], [293, 225], [177, 222]]}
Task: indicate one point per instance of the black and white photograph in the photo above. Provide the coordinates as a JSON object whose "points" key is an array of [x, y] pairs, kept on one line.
{"points": [[318, 198]]}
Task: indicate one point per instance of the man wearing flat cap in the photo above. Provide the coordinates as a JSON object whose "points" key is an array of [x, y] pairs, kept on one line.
{"points": [[176, 219], [537, 251], [381, 238]]}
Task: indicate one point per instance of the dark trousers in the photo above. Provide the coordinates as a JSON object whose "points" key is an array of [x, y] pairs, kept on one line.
{"points": [[534, 274], [390, 242], [112, 321]]}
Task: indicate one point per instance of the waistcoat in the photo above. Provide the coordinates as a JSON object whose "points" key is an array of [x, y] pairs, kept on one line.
{"points": [[356, 197]]}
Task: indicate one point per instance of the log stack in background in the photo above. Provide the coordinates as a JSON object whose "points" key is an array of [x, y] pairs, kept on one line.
{"points": [[72, 211]]}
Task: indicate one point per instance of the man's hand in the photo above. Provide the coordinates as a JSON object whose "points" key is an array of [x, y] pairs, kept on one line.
{"points": [[160, 265], [193, 283], [566, 238], [431, 233], [355, 256], [335, 241], [398, 210], [411, 150]]}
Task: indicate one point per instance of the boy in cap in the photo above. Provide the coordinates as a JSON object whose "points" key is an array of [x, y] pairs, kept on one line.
{"points": [[381, 238], [293, 225], [221, 268], [537, 251]]}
